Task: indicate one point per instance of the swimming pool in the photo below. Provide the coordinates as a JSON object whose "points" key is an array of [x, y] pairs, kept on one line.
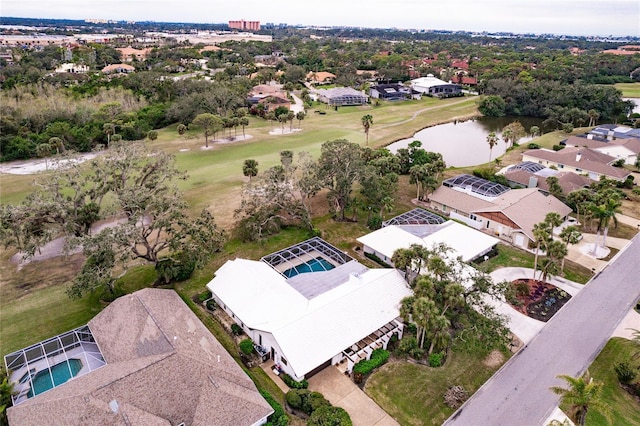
{"points": [[314, 265], [61, 373]]}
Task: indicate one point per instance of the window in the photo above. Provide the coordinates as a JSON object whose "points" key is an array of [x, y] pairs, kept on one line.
{"points": [[284, 361], [473, 217]]}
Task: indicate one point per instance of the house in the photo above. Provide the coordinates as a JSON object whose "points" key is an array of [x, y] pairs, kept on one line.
{"points": [[624, 50], [320, 77], [509, 214], [433, 86], [627, 148], [128, 54], [145, 359], [342, 96], [71, 68], [534, 175], [431, 231], [614, 131], [393, 92], [578, 160], [270, 96], [311, 305], [118, 69]]}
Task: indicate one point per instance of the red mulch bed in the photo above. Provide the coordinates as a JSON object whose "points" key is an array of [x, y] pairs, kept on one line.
{"points": [[542, 301]]}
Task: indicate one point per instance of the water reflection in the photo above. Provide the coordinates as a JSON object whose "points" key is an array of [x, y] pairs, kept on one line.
{"points": [[465, 143]]}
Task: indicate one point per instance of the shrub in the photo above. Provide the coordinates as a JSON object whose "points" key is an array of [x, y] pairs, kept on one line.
{"points": [[288, 380], [205, 295], [211, 305], [279, 417], [407, 345], [374, 222], [522, 289], [435, 360], [624, 372], [366, 366], [533, 146], [246, 346], [236, 329], [330, 416], [294, 399], [557, 147], [305, 400]]}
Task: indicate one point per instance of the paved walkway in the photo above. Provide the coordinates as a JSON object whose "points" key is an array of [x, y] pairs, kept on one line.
{"points": [[342, 392]]}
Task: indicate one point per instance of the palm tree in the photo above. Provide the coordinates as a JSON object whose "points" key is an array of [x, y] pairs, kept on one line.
{"points": [[367, 121], [250, 168], [43, 150], [492, 140], [300, 115], [582, 395], [604, 213], [593, 117], [569, 235]]}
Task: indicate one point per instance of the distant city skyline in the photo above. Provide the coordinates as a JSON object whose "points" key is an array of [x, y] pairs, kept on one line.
{"points": [[570, 17]]}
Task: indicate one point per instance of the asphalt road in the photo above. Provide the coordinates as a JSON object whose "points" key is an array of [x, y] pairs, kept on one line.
{"points": [[518, 394]]}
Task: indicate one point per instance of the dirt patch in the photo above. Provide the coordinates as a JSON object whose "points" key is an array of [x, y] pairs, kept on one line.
{"points": [[494, 359]]}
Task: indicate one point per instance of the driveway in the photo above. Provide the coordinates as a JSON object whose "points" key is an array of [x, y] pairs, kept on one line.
{"points": [[340, 390]]}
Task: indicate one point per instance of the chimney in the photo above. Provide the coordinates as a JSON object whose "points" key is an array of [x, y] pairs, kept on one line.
{"points": [[578, 157], [589, 136]]}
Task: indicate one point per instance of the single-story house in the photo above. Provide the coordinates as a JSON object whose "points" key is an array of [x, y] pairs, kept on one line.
{"points": [[466, 242], [342, 96], [146, 359], [320, 77], [627, 148], [71, 68], [578, 160], [118, 69], [534, 175], [128, 54], [433, 86], [311, 305], [509, 213], [615, 131], [393, 92]]}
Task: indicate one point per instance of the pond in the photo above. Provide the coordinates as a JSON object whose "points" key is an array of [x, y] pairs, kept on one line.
{"points": [[636, 102], [465, 143]]}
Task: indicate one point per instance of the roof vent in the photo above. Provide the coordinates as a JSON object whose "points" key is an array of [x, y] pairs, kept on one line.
{"points": [[578, 157], [113, 404]]}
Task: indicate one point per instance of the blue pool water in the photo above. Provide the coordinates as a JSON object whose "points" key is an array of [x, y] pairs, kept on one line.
{"points": [[314, 265], [61, 373]]}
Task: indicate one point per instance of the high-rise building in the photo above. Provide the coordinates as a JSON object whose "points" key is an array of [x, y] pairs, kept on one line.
{"points": [[245, 25]]}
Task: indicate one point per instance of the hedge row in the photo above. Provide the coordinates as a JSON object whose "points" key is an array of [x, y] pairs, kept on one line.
{"points": [[366, 366], [288, 380], [279, 417]]}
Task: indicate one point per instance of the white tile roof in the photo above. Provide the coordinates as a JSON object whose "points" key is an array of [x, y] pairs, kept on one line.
{"points": [[309, 332], [465, 241]]}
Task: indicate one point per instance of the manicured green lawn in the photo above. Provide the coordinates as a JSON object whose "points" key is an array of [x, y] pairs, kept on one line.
{"points": [[629, 90], [509, 256], [413, 394], [625, 410]]}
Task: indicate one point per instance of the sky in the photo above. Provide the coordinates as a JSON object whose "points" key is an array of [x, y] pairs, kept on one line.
{"points": [[571, 17]]}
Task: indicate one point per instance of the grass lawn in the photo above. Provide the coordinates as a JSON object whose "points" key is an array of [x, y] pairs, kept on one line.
{"points": [[629, 90], [413, 394], [625, 410], [509, 256]]}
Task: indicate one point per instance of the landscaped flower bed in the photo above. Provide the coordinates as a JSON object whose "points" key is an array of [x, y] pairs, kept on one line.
{"points": [[538, 299]]}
